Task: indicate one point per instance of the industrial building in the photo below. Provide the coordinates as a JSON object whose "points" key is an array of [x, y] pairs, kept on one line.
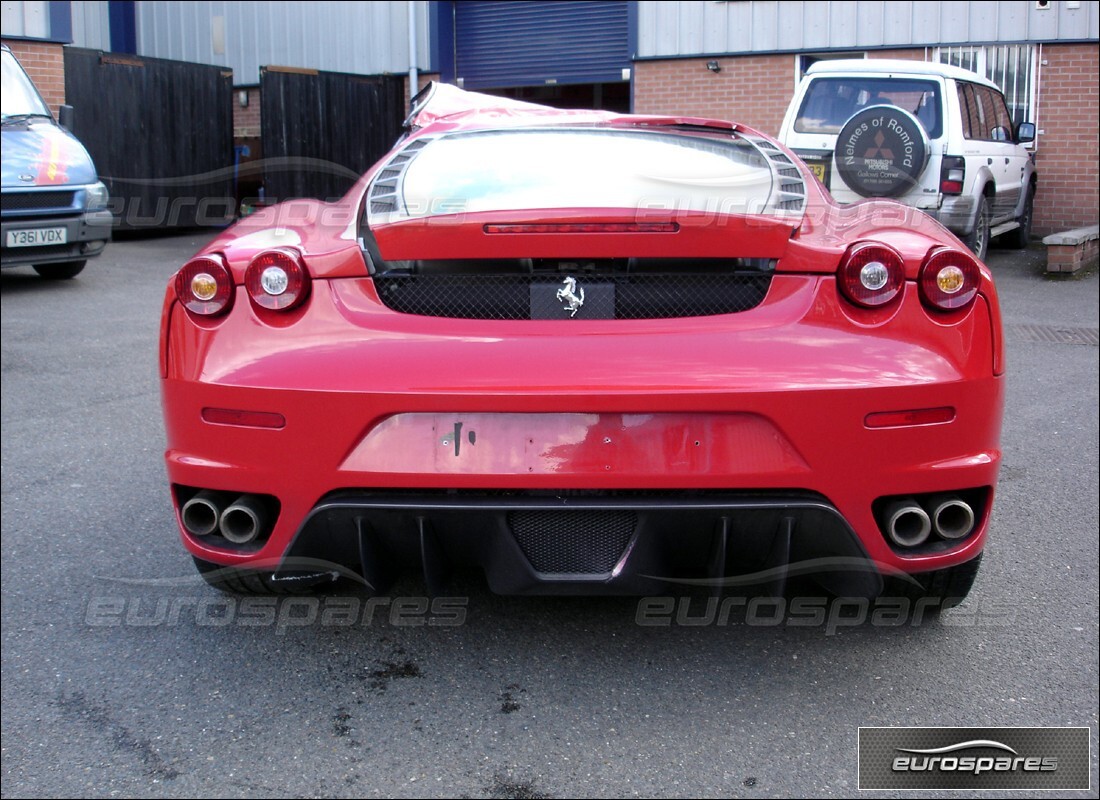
{"points": [[732, 60]]}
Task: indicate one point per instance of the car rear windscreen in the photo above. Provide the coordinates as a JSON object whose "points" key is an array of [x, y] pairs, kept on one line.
{"points": [[506, 170]]}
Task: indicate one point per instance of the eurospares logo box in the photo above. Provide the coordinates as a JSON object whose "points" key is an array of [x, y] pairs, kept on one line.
{"points": [[974, 758]]}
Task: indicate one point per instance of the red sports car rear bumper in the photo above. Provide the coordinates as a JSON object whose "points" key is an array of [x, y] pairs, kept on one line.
{"points": [[771, 402]]}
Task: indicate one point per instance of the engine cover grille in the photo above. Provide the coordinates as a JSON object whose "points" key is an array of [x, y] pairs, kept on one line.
{"points": [[623, 296], [573, 542]]}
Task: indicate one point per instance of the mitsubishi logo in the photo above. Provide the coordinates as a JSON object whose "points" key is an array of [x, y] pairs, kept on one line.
{"points": [[570, 296], [878, 149]]}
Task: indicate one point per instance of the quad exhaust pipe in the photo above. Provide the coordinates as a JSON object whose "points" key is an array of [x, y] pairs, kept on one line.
{"points": [[952, 517], [909, 523], [241, 521], [202, 513]]}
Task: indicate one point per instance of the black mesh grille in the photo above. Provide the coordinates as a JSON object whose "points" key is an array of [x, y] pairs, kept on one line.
{"points": [[573, 542], [639, 296], [36, 201]]}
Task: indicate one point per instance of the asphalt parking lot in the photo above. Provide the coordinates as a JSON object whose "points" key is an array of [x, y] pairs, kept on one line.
{"points": [[123, 674]]}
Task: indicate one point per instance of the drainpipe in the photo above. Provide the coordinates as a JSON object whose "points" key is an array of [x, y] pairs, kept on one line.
{"points": [[413, 77]]}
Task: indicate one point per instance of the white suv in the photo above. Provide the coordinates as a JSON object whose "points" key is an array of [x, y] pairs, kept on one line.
{"points": [[932, 136]]}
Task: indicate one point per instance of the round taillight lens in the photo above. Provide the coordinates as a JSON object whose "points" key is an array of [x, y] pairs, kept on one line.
{"points": [[871, 274], [205, 286], [277, 279], [949, 279]]}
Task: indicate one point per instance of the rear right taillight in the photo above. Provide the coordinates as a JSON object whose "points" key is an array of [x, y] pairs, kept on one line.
{"points": [[205, 286], [277, 279], [952, 174], [871, 274], [949, 279]]}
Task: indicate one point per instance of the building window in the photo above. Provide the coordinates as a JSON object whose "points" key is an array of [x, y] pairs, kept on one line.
{"points": [[803, 61], [1010, 66]]}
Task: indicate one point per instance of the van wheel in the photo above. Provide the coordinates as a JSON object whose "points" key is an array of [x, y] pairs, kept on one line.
{"points": [[1021, 237], [978, 239], [60, 272]]}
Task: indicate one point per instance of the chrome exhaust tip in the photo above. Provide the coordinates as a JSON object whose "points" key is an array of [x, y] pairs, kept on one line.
{"points": [[202, 513], [907, 524], [243, 521], [952, 517]]}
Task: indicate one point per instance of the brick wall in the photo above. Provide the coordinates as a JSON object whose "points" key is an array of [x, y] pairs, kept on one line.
{"points": [[246, 119], [752, 90], [1070, 148], [45, 63], [755, 90], [1072, 258]]}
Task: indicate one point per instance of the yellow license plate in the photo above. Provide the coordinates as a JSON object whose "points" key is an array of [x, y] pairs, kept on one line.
{"points": [[818, 169]]}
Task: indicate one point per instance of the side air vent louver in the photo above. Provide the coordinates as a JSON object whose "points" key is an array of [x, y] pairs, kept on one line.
{"points": [[791, 188], [384, 189]]}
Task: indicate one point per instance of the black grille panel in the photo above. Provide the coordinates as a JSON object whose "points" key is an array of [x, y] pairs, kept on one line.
{"points": [[573, 542], [508, 297], [36, 201]]}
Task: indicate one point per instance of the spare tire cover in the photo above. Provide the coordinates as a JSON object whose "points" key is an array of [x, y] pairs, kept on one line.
{"points": [[881, 151]]}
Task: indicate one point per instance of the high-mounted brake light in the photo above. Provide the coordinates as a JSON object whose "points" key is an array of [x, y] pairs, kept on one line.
{"points": [[949, 279], [871, 274], [204, 286], [586, 227], [277, 279]]}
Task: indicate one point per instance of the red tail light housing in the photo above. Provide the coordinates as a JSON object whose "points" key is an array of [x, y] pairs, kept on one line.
{"points": [[949, 279], [204, 286], [277, 279], [871, 274], [952, 174]]}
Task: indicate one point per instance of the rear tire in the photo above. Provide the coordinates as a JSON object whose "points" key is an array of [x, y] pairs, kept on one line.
{"points": [[60, 272], [978, 239], [236, 580], [1021, 237]]}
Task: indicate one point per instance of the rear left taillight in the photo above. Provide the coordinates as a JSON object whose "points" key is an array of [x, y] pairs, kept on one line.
{"points": [[871, 274], [952, 174], [949, 279], [277, 279], [205, 286]]}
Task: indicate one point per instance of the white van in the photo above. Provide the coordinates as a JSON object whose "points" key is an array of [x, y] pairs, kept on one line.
{"points": [[932, 136]]}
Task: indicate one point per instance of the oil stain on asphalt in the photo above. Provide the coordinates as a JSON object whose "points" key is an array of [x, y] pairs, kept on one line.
{"points": [[79, 707]]}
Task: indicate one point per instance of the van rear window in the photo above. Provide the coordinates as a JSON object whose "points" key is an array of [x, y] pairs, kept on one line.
{"points": [[830, 102]]}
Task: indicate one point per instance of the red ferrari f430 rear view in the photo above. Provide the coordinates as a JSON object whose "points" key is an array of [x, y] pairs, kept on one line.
{"points": [[587, 353]]}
